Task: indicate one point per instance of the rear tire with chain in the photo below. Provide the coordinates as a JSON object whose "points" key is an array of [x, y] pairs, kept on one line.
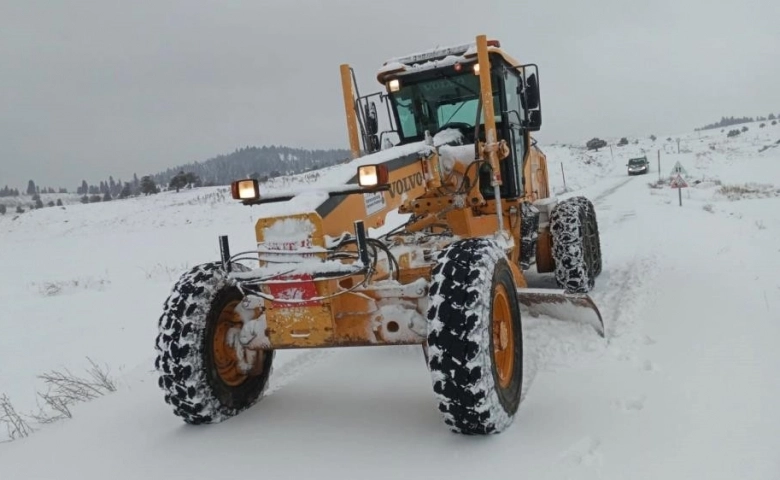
{"points": [[592, 232], [197, 369], [475, 341], [576, 246]]}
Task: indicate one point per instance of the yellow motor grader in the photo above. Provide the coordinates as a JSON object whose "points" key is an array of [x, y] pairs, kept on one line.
{"points": [[471, 188]]}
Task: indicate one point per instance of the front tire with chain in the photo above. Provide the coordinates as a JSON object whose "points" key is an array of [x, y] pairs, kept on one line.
{"points": [[193, 360], [475, 339]]}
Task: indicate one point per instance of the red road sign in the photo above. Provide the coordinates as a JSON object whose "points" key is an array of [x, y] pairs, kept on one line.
{"points": [[678, 182]]}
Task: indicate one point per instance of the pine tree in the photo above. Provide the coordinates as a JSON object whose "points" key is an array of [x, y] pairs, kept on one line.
{"points": [[178, 182], [148, 187], [126, 191], [31, 190]]}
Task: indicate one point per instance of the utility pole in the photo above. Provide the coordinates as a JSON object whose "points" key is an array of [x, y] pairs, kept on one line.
{"points": [[678, 145], [564, 178], [659, 164]]}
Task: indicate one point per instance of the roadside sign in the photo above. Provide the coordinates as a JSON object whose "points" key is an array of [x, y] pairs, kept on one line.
{"points": [[678, 170], [678, 182]]}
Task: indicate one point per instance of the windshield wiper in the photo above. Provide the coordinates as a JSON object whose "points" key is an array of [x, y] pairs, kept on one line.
{"points": [[455, 112], [465, 87]]}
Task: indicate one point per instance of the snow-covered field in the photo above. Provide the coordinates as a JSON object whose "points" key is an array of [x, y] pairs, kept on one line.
{"points": [[684, 387]]}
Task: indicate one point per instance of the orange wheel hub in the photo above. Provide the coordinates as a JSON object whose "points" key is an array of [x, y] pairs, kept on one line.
{"points": [[503, 337], [226, 357]]}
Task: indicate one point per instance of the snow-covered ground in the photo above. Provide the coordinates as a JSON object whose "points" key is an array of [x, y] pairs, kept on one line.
{"points": [[684, 387]]}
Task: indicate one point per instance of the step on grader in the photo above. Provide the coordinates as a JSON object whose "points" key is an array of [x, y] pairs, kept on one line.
{"points": [[457, 163]]}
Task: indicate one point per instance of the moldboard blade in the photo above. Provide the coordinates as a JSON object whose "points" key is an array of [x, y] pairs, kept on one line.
{"points": [[577, 307]]}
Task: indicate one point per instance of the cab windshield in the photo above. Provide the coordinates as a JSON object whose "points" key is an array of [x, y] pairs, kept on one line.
{"points": [[433, 103]]}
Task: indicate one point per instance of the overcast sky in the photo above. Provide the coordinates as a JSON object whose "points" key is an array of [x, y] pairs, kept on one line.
{"points": [[101, 87]]}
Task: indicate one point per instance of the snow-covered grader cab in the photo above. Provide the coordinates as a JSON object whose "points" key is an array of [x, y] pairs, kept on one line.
{"points": [[458, 165]]}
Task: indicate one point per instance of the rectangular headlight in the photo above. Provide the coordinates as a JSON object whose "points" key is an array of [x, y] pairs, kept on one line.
{"points": [[372, 175], [245, 189], [394, 85]]}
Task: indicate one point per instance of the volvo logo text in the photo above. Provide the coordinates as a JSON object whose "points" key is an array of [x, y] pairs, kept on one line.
{"points": [[405, 184]]}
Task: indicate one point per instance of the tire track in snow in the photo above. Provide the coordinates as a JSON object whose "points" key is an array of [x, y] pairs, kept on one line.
{"points": [[584, 453], [624, 293], [620, 294], [606, 193], [297, 366], [624, 285]]}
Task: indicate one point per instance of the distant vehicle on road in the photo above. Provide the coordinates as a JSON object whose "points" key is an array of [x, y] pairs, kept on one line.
{"points": [[638, 166]]}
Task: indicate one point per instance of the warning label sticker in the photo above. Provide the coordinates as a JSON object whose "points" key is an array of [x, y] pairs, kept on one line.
{"points": [[374, 202]]}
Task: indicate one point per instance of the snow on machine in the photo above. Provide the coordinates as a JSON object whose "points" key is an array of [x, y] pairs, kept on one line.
{"points": [[473, 186]]}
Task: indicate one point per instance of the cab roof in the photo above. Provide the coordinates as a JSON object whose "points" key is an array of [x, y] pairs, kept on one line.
{"points": [[436, 58]]}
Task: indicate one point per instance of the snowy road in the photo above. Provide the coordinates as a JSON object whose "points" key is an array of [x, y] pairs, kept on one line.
{"points": [[684, 387]]}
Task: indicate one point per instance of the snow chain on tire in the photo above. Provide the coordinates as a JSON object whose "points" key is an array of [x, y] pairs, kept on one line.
{"points": [[461, 338], [184, 346], [576, 244], [529, 234]]}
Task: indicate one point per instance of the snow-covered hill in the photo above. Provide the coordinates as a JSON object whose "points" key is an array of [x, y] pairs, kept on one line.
{"points": [[684, 387]]}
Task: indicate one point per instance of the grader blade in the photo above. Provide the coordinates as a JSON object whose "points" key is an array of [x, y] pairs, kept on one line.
{"points": [[578, 307]]}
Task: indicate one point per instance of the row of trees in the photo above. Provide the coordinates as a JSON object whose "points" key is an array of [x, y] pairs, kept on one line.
{"points": [[261, 163], [596, 143], [9, 192], [38, 203], [728, 121], [255, 162], [32, 189], [144, 186], [104, 192], [109, 187], [735, 132]]}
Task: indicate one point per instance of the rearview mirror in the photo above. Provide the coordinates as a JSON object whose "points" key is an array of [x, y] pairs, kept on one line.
{"points": [[372, 119], [530, 98], [532, 92], [534, 120]]}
